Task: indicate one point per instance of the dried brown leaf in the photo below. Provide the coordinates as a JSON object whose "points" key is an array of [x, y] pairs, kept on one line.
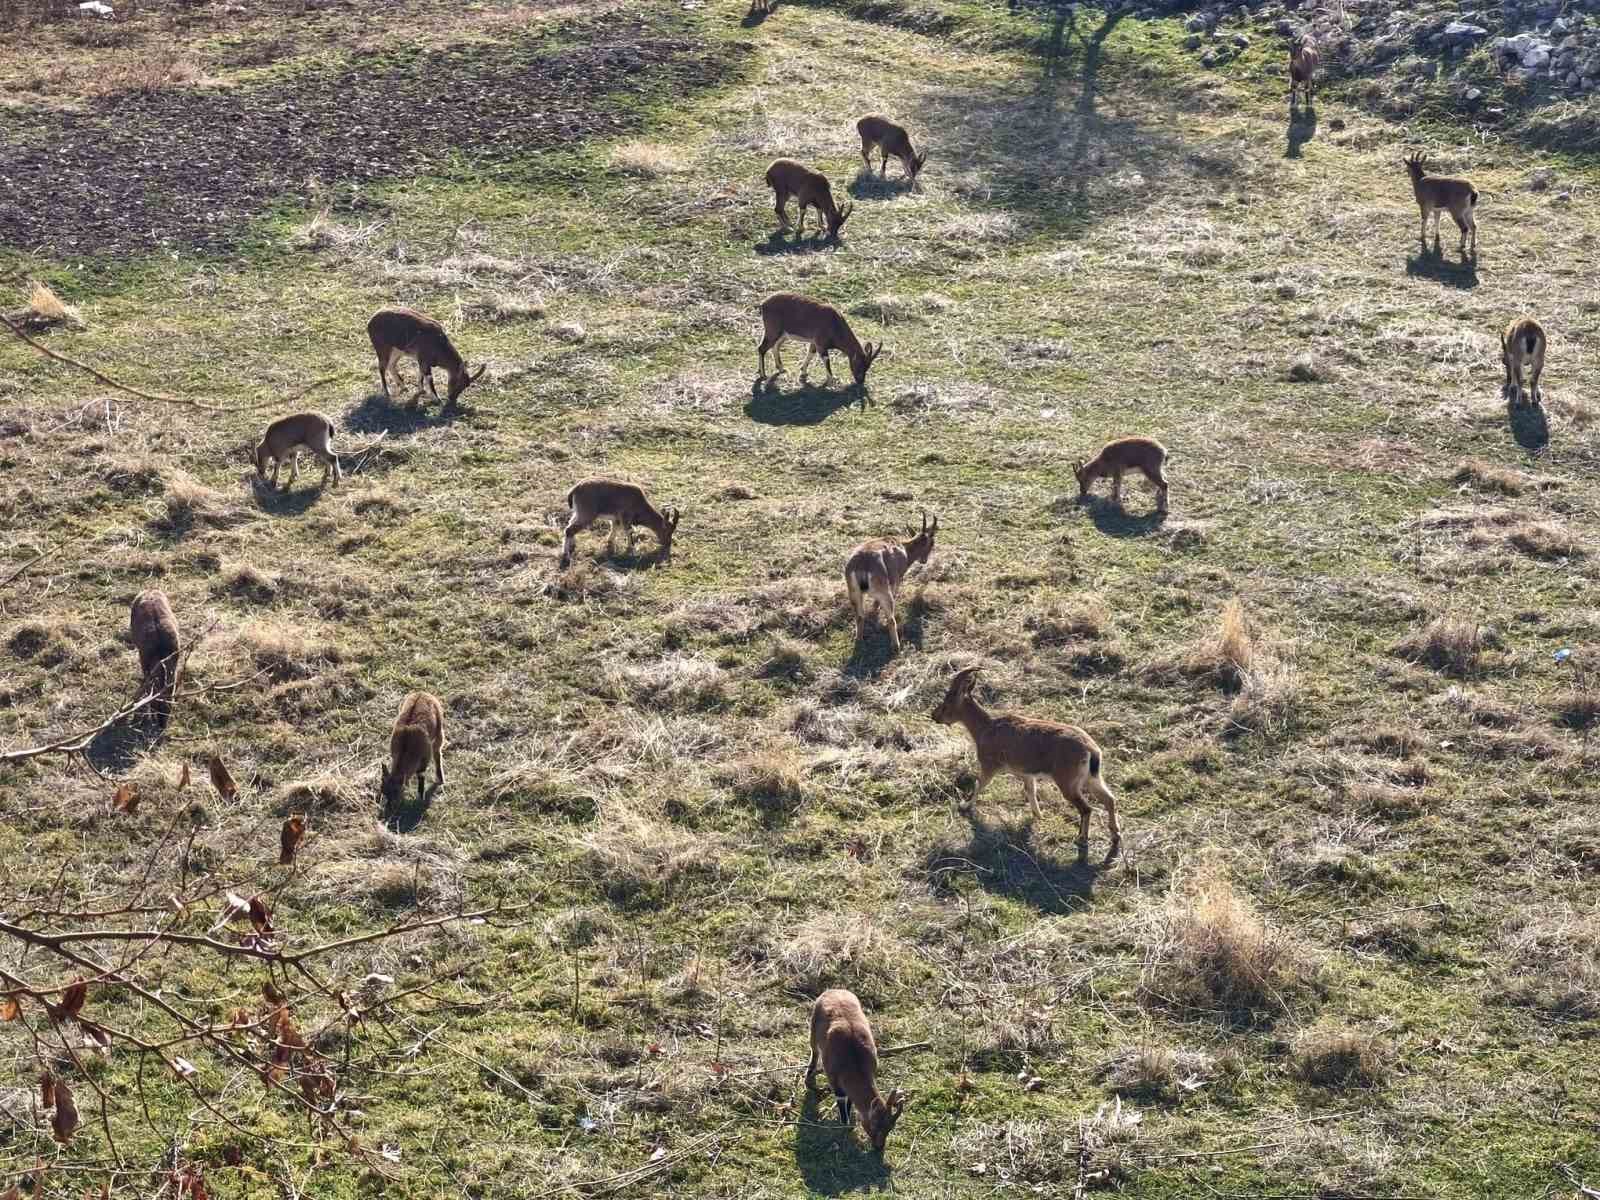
{"points": [[221, 780], [10, 1008], [71, 1001], [183, 779], [125, 799], [66, 1119], [294, 829]]}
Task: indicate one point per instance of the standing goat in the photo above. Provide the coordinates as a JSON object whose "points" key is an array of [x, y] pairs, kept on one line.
{"points": [[785, 315], [1523, 344], [1303, 60], [874, 571], [842, 1044], [287, 436], [1439, 193], [417, 737], [1032, 750], [788, 178], [626, 505], [1125, 454], [154, 632], [405, 331], [879, 133]]}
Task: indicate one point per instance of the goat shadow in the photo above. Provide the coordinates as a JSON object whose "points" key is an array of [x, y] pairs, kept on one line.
{"points": [[808, 404], [831, 1160], [294, 501], [869, 185], [407, 812], [872, 653], [1430, 263], [998, 857], [377, 413], [795, 243], [1302, 127], [754, 17], [617, 556], [1529, 426], [117, 747], [1116, 521]]}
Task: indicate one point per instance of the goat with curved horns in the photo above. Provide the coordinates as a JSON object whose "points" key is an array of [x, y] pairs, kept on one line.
{"points": [[1032, 750], [405, 331], [788, 178], [874, 570], [786, 315]]}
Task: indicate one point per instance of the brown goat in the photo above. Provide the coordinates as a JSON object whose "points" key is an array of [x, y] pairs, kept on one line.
{"points": [[417, 737], [154, 632], [785, 315], [626, 505], [882, 134], [1523, 344], [788, 178], [287, 436], [405, 331], [1303, 60], [1032, 750], [1439, 193], [1125, 454], [874, 571], [842, 1044]]}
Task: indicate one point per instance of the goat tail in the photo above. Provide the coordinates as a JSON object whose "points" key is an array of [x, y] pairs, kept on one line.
{"points": [[1474, 197], [1094, 763], [570, 492]]}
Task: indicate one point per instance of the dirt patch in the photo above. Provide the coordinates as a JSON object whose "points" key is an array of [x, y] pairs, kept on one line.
{"points": [[190, 167]]}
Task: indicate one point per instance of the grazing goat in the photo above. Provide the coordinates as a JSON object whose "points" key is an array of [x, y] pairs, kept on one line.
{"points": [[1439, 193], [1303, 60], [1523, 343], [788, 178], [1032, 750], [842, 1044], [404, 331], [1125, 454], [879, 133], [874, 571], [287, 436], [626, 505], [418, 736], [154, 632], [785, 315]]}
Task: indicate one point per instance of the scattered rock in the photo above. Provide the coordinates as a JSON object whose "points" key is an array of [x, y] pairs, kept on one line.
{"points": [[1541, 179], [1192, 42]]}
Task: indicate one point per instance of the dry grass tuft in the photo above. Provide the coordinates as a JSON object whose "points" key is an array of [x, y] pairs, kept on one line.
{"points": [[147, 71], [1554, 953], [1340, 1058], [1269, 698], [771, 781], [646, 160], [1486, 477], [636, 859], [1545, 540], [571, 332], [1224, 657], [510, 306], [1154, 1072], [46, 310], [843, 949], [1448, 643], [1306, 369], [1216, 953], [188, 503], [677, 682]]}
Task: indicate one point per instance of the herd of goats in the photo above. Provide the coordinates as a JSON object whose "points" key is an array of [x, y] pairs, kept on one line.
{"points": [[1031, 749]]}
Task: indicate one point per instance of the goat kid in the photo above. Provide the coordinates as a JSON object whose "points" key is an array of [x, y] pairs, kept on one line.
{"points": [[154, 633], [823, 327], [626, 505], [879, 133], [405, 331], [286, 437], [788, 178], [1125, 454], [1032, 750], [1303, 60], [1437, 194], [874, 570], [842, 1044], [417, 737], [1523, 345]]}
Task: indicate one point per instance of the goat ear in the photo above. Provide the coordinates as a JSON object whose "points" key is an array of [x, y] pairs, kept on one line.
{"points": [[473, 378], [897, 1101], [844, 213], [934, 528]]}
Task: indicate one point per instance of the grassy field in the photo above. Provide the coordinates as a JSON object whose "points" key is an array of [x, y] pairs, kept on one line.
{"points": [[1351, 947]]}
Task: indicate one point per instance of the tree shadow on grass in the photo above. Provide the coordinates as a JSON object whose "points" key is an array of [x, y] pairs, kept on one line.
{"points": [[831, 1159], [1302, 128], [999, 858], [1430, 263], [1529, 426], [808, 404]]}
